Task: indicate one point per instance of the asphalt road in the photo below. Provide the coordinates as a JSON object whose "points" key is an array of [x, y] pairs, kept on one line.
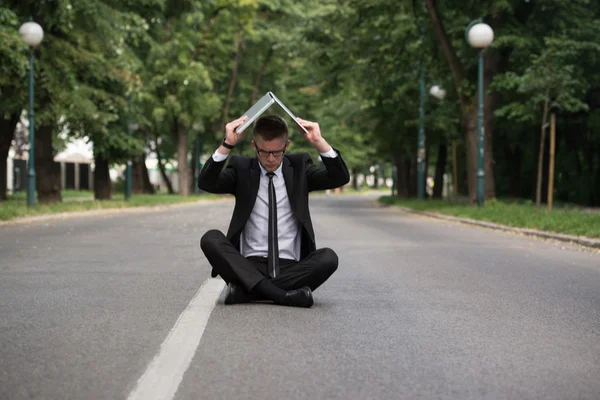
{"points": [[418, 309]]}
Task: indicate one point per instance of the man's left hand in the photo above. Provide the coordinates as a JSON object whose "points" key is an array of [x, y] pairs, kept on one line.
{"points": [[314, 135]]}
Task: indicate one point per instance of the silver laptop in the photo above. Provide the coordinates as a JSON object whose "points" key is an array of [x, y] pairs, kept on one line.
{"points": [[260, 107]]}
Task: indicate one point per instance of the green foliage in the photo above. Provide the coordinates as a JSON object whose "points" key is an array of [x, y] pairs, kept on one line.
{"points": [[352, 66], [13, 63], [548, 78]]}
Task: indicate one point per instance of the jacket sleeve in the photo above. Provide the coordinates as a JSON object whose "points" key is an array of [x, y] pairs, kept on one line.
{"points": [[214, 179], [334, 173]]}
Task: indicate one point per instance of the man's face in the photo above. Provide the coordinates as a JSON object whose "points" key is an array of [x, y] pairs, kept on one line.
{"points": [[270, 153]]}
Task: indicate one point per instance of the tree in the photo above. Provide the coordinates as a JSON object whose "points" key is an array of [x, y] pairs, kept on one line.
{"points": [[377, 55], [190, 41], [13, 65], [180, 70], [549, 83], [82, 77], [552, 67]]}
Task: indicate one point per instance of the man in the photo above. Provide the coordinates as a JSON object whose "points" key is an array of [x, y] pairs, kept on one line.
{"points": [[269, 252]]}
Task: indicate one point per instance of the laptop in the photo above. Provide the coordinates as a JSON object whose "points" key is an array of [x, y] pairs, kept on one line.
{"points": [[260, 107]]}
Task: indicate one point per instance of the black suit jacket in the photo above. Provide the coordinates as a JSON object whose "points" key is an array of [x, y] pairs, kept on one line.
{"points": [[242, 178]]}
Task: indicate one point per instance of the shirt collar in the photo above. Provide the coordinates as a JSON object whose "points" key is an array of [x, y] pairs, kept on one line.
{"points": [[277, 172]]}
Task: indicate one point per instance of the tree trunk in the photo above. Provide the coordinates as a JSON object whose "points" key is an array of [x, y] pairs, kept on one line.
{"points": [[217, 130], [163, 172], [47, 171], [402, 177], [590, 155], [183, 168], [355, 179], [513, 161], [440, 170], [471, 145], [233, 78], [102, 183], [148, 188], [140, 177], [551, 161], [455, 192], [456, 66], [538, 189], [259, 75], [195, 164], [376, 178], [137, 185], [426, 174], [494, 62], [595, 181], [7, 130], [412, 167]]}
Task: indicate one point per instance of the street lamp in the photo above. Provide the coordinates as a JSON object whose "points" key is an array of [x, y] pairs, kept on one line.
{"points": [[480, 35], [437, 92], [32, 33]]}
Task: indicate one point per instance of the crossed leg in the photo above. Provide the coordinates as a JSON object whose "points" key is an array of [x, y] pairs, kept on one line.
{"points": [[233, 267]]}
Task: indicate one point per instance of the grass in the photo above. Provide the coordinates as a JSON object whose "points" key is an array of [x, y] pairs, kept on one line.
{"points": [[350, 189], [66, 195], [361, 190], [571, 222], [16, 206]]}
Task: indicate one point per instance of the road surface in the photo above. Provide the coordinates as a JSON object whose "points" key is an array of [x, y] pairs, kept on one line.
{"points": [[120, 306]]}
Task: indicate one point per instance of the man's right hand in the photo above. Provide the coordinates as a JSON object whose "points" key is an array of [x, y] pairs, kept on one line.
{"points": [[231, 137]]}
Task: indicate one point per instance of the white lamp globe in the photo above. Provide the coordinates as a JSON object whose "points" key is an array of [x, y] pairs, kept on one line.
{"points": [[480, 35], [32, 33], [437, 92]]}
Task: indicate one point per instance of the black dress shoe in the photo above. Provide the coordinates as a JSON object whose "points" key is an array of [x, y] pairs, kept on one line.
{"points": [[237, 295], [298, 298]]}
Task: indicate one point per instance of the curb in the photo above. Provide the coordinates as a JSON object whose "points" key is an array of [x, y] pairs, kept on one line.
{"points": [[580, 240]]}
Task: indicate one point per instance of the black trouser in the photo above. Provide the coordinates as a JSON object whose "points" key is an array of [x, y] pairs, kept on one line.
{"points": [[233, 267]]}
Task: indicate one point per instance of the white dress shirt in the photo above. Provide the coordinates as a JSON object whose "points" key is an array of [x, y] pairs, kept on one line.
{"points": [[254, 240]]}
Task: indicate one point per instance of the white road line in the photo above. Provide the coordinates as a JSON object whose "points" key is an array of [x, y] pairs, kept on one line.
{"points": [[165, 371]]}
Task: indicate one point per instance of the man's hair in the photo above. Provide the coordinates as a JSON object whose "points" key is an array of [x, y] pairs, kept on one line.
{"points": [[270, 127]]}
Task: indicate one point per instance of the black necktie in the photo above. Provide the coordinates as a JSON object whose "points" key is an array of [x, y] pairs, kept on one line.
{"points": [[273, 255]]}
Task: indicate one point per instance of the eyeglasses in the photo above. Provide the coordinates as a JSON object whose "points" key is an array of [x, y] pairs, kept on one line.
{"points": [[265, 153]]}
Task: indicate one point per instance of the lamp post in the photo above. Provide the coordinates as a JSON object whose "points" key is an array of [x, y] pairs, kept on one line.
{"points": [[32, 33], [421, 138], [480, 35]]}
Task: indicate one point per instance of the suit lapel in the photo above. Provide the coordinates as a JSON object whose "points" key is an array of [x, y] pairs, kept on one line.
{"points": [[288, 176], [254, 181]]}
